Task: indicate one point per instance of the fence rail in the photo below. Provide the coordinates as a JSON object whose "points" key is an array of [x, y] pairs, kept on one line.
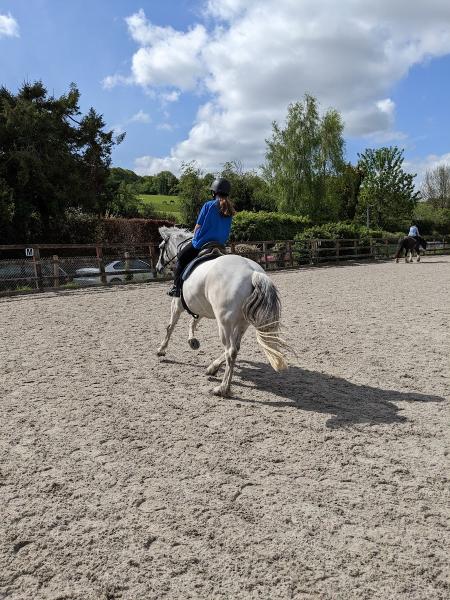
{"points": [[37, 267]]}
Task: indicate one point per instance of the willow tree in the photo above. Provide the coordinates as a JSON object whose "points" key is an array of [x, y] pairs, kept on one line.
{"points": [[303, 157]]}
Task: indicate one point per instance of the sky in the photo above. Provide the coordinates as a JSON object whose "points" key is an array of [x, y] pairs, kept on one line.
{"points": [[203, 80]]}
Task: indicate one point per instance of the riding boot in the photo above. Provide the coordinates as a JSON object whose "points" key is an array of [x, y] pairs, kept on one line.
{"points": [[175, 291]]}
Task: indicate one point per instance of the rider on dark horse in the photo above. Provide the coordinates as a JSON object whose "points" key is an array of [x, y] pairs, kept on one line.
{"points": [[213, 225], [414, 233]]}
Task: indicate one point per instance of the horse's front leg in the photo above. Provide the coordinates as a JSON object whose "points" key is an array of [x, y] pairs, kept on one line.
{"points": [[192, 340], [176, 309], [216, 364]]}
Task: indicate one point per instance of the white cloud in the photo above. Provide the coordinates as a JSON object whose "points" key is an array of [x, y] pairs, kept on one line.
{"points": [[8, 26], [151, 165], [140, 117], [111, 81], [165, 127], [257, 56], [421, 166], [172, 96]]}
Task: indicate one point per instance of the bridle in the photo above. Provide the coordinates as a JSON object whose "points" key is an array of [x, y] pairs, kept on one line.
{"points": [[164, 250]]}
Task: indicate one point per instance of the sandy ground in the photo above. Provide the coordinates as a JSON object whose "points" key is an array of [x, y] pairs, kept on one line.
{"points": [[121, 476]]}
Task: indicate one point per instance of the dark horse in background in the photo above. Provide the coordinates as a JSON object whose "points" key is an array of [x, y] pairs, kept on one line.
{"points": [[410, 245]]}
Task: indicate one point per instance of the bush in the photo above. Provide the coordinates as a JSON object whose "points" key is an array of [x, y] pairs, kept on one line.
{"points": [[432, 221], [342, 230], [260, 226], [131, 231]]}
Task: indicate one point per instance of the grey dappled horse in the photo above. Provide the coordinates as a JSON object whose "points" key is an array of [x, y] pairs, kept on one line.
{"points": [[237, 293]]}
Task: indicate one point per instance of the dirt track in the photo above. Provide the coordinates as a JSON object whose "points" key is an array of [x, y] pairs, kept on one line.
{"points": [[122, 477]]}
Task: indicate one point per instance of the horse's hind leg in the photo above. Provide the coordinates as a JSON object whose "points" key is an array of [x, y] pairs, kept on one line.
{"points": [[192, 340], [231, 337], [176, 309]]}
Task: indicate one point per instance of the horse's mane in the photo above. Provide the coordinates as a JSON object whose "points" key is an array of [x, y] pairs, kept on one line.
{"points": [[166, 232]]}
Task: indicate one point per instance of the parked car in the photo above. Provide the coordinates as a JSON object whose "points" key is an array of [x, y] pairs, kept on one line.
{"points": [[15, 274], [138, 270]]}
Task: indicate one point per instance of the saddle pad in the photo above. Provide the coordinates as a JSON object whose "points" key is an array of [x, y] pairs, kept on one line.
{"points": [[197, 261]]}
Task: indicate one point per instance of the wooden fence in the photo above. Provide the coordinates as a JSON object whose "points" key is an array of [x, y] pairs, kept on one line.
{"points": [[46, 266]]}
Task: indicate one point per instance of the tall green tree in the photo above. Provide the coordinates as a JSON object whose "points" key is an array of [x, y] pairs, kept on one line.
{"points": [[303, 157], [52, 158], [194, 190], [249, 191], [387, 192]]}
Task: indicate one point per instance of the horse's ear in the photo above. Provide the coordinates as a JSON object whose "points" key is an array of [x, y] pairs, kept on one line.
{"points": [[163, 232]]}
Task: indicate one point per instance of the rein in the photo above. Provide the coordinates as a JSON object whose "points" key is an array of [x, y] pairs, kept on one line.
{"points": [[177, 251]]}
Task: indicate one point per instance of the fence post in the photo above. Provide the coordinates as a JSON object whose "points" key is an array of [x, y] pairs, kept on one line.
{"points": [[265, 255], [233, 247], [372, 253], [55, 261], [386, 248], [37, 267], [355, 248], [128, 275], [152, 254], [289, 252], [101, 264], [338, 244]]}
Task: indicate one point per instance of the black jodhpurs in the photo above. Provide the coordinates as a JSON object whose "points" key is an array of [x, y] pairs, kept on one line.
{"points": [[187, 253]]}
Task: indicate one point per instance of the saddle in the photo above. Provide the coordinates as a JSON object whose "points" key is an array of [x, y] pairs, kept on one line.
{"points": [[209, 251]]}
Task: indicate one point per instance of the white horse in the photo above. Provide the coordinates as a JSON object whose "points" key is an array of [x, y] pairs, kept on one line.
{"points": [[237, 293]]}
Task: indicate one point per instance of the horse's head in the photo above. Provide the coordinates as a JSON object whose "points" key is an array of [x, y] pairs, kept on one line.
{"points": [[172, 237]]}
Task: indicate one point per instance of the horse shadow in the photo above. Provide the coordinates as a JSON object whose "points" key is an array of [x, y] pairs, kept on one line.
{"points": [[347, 402]]}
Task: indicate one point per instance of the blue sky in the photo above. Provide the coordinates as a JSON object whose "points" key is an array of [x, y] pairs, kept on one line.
{"points": [[204, 80]]}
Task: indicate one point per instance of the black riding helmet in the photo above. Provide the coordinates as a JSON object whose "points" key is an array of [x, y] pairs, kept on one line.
{"points": [[221, 186]]}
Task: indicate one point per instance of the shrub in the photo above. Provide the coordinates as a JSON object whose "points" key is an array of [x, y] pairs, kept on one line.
{"points": [[342, 230], [432, 221], [253, 226]]}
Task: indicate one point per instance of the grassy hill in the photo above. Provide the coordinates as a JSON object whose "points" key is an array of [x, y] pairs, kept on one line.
{"points": [[163, 205]]}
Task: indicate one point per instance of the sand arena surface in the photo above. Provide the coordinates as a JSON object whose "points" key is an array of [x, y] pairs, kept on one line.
{"points": [[123, 477]]}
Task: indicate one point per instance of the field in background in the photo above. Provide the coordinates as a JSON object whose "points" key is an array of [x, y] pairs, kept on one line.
{"points": [[163, 205]]}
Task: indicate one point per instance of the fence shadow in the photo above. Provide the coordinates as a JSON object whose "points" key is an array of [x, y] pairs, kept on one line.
{"points": [[348, 403]]}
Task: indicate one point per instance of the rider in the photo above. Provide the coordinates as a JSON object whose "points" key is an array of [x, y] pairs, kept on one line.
{"points": [[213, 225], [413, 231]]}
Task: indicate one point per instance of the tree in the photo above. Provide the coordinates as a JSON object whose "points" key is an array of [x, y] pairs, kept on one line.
{"points": [[194, 190], [302, 158], [52, 158], [436, 186], [387, 191], [248, 190], [344, 194]]}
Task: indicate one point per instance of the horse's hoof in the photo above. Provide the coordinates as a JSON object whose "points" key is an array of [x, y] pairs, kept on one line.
{"points": [[194, 343], [161, 353], [396, 260], [212, 371], [219, 391]]}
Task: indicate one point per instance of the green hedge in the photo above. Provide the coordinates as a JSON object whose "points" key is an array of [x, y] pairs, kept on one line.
{"points": [[81, 228], [432, 221], [259, 226], [343, 230]]}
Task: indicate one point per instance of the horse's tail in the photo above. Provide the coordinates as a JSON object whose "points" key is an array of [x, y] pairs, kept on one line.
{"points": [[262, 309]]}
